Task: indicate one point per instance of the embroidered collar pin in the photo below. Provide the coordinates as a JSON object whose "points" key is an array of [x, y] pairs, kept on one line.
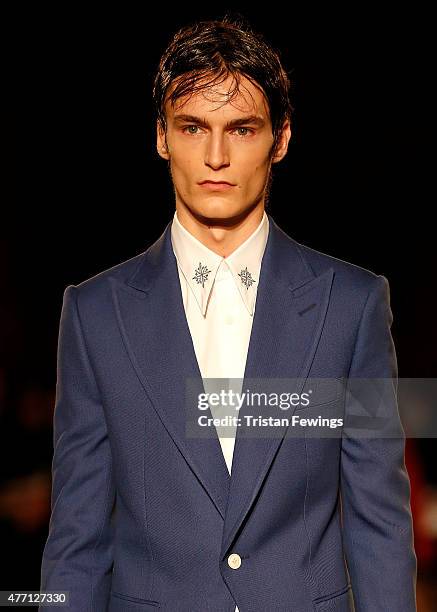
{"points": [[246, 278], [201, 275]]}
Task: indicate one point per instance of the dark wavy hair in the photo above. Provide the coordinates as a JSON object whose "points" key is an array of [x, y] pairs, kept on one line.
{"points": [[206, 52]]}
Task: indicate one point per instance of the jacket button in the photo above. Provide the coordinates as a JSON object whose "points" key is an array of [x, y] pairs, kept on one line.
{"points": [[234, 561]]}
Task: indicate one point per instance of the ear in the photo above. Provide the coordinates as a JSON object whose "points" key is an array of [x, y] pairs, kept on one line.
{"points": [[161, 142], [282, 146]]}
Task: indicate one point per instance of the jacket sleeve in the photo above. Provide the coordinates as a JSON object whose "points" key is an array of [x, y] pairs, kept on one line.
{"points": [[78, 554], [375, 488]]}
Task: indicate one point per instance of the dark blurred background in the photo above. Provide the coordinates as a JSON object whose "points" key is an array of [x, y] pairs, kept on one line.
{"points": [[86, 190]]}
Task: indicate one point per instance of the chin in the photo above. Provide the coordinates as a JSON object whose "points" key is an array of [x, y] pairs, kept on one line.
{"points": [[218, 210]]}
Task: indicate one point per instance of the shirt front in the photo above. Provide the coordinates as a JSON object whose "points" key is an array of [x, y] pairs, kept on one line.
{"points": [[219, 297]]}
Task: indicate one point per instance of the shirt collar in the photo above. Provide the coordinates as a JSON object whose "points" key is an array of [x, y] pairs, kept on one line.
{"points": [[200, 265]]}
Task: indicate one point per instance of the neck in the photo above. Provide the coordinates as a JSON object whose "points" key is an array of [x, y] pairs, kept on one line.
{"points": [[223, 236]]}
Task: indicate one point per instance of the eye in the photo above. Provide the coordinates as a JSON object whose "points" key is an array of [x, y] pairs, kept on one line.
{"points": [[244, 128], [188, 128], [192, 129]]}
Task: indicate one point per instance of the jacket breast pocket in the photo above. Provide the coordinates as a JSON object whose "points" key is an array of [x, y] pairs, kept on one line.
{"points": [[341, 601], [319, 392], [119, 602]]}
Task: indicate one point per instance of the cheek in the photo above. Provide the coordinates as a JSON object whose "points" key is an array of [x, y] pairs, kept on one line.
{"points": [[184, 167], [254, 170], [252, 160]]}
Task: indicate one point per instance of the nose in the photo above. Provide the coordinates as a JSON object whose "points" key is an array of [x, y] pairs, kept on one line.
{"points": [[217, 153]]}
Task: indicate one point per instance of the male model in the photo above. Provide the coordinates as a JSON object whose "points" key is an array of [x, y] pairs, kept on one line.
{"points": [[145, 516]]}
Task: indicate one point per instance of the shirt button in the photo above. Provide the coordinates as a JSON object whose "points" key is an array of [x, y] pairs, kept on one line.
{"points": [[234, 561], [229, 319]]}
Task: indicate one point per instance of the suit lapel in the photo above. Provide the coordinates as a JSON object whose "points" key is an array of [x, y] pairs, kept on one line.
{"points": [[289, 315], [155, 330], [290, 309]]}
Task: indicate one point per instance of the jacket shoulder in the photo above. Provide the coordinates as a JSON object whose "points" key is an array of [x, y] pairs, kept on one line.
{"points": [[348, 275], [122, 271]]}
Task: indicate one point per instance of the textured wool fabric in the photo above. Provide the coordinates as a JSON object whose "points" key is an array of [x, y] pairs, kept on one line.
{"points": [[146, 517]]}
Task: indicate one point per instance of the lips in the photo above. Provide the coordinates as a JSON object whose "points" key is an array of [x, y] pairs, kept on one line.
{"points": [[216, 186], [217, 183]]}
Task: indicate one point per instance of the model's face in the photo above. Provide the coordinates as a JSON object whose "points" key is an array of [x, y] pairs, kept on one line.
{"points": [[212, 138]]}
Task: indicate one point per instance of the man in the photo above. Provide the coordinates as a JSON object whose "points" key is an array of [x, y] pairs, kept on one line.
{"points": [[146, 516]]}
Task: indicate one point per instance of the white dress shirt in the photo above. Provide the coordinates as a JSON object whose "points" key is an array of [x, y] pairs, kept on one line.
{"points": [[219, 296]]}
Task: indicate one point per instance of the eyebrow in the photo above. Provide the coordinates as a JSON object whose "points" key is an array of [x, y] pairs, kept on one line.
{"points": [[252, 119]]}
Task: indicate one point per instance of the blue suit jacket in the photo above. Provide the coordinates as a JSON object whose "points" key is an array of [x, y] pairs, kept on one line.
{"points": [[145, 518]]}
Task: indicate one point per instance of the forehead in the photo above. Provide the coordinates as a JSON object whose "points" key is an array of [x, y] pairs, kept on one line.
{"points": [[226, 97]]}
